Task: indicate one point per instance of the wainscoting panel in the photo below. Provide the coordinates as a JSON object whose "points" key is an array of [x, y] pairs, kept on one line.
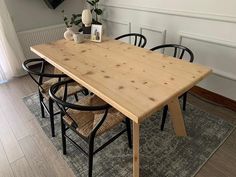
{"points": [[215, 53], [155, 36], [38, 36], [114, 28], [173, 12]]}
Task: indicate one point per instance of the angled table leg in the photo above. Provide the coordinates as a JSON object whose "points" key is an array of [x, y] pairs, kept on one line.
{"points": [[135, 149], [177, 117]]}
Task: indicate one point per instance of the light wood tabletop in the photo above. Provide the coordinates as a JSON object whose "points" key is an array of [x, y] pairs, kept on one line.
{"points": [[135, 81]]}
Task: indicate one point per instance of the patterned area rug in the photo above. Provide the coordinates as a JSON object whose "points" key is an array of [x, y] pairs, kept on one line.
{"points": [[162, 154]]}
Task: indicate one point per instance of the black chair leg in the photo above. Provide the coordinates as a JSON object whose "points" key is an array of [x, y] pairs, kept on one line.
{"points": [[76, 97], [90, 157], [163, 120], [41, 105], [184, 101], [128, 127], [50, 101], [63, 133]]}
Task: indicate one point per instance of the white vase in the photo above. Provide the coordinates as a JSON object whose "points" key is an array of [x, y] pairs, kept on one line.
{"points": [[87, 17], [68, 35]]}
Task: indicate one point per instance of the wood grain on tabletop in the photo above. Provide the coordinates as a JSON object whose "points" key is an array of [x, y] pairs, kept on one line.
{"points": [[135, 81]]}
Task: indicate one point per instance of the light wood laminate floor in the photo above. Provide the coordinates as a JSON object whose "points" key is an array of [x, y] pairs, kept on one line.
{"points": [[25, 151]]}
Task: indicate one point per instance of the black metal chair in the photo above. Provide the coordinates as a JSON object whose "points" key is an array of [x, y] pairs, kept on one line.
{"points": [[44, 85], [88, 118], [139, 39], [179, 52]]}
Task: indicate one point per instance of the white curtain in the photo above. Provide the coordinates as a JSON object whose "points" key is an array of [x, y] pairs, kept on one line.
{"points": [[11, 55]]}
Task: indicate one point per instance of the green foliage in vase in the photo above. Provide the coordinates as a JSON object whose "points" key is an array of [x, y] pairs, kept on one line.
{"points": [[75, 19], [95, 9]]}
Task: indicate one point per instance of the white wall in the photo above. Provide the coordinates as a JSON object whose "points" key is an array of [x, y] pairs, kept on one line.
{"points": [[31, 14], [201, 6], [207, 27]]}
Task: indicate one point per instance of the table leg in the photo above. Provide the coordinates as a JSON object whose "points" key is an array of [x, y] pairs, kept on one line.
{"points": [[177, 117], [135, 149]]}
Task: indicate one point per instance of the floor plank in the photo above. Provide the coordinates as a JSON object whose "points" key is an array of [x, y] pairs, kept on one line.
{"points": [[5, 169], [230, 145], [18, 126], [224, 162], [35, 158], [28, 133], [49, 151], [210, 171], [10, 143], [15, 111], [21, 168]]}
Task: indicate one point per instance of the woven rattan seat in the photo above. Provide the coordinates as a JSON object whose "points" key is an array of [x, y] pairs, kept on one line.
{"points": [[73, 88], [87, 120]]}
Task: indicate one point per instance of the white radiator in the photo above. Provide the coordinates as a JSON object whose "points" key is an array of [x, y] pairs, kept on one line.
{"points": [[39, 36]]}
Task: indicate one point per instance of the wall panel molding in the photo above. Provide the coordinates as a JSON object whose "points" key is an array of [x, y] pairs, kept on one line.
{"points": [[215, 41], [207, 39], [162, 31], [128, 24], [173, 12]]}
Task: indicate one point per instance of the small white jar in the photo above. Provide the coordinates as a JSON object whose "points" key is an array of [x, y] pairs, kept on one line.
{"points": [[78, 37]]}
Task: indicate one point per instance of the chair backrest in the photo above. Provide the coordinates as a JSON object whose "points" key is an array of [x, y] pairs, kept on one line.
{"points": [[64, 104], [39, 75], [179, 50], [138, 39]]}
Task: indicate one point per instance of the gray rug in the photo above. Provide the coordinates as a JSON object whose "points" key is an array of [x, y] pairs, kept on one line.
{"points": [[162, 154]]}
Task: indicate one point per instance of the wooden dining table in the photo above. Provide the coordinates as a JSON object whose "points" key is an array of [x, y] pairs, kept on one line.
{"points": [[135, 81]]}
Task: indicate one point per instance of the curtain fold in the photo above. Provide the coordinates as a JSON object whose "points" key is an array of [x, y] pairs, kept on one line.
{"points": [[11, 54]]}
